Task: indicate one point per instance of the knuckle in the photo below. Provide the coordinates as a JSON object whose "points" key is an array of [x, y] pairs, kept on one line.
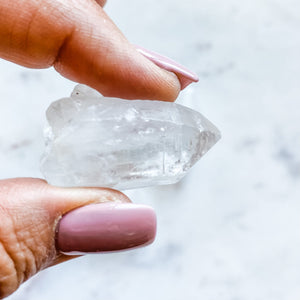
{"points": [[26, 235], [23, 38], [17, 260], [8, 274]]}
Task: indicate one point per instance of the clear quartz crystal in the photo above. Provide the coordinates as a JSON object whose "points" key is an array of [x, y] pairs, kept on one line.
{"points": [[123, 144]]}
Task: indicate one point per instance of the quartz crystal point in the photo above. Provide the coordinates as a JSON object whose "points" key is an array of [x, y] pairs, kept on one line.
{"points": [[95, 141]]}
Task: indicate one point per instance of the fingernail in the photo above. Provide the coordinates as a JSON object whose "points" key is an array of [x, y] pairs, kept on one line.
{"points": [[105, 227], [184, 75]]}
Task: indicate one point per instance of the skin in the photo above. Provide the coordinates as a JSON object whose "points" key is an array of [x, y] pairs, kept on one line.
{"points": [[79, 40]]}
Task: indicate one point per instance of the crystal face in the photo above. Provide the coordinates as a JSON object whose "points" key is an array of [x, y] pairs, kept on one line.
{"points": [[95, 141]]}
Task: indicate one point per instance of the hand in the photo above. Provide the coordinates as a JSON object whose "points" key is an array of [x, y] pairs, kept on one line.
{"points": [[79, 40]]}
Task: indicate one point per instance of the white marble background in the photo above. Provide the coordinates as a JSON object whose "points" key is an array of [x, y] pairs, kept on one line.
{"points": [[231, 229]]}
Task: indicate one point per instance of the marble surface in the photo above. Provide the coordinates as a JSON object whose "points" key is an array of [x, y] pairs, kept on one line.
{"points": [[231, 229]]}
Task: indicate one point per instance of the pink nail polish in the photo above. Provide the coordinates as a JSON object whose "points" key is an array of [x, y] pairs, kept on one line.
{"points": [[105, 227], [184, 75]]}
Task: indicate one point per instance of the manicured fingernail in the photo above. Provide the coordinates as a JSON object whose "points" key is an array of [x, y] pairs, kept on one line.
{"points": [[105, 227], [184, 75]]}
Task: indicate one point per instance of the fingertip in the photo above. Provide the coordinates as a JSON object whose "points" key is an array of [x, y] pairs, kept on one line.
{"points": [[98, 55], [184, 75]]}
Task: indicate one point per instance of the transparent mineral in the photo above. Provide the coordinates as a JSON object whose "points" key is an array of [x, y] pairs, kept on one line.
{"points": [[123, 144]]}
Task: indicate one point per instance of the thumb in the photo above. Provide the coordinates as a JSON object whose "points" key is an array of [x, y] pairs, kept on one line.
{"points": [[36, 226], [84, 45]]}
